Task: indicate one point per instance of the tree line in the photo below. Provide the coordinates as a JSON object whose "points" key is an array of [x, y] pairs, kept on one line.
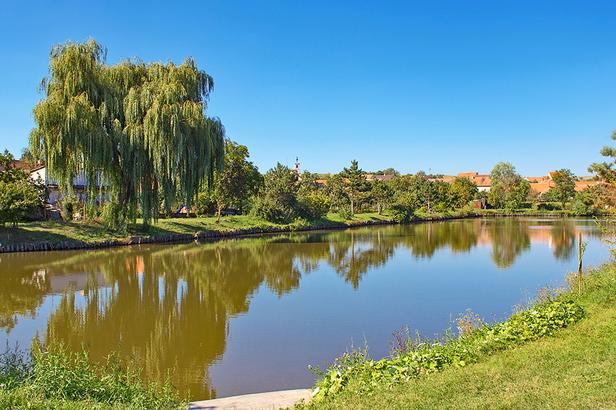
{"points": [[140, 135]]}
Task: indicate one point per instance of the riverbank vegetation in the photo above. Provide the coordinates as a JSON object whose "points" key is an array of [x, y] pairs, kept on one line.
{"points": [[54, 378], [528, 361]]}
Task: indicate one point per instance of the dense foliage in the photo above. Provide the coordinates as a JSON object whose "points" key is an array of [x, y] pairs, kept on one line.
{"points": [[462, 191], [137, 128], [605, 170], [234, 185], [355, 185], [20, 198], [509, 189], [564, 186], [278, 202]]}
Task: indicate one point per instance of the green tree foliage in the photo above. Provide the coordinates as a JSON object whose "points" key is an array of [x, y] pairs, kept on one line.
{"points": [[594, 199], [509, 189], [237, 182], [421, 192], [462, 191], [20, 198], [605, 170], [338, 195], [440, 195], [27, 157], [355, 185], [388, 171], [278, 201], [564, 186], [141, 128], [313, 200], [308, 183], [382, 195], [313, 204]]}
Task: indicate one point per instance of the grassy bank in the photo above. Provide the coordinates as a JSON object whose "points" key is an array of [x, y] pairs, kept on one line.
{"points": [[60, 234], [49, 235], [550, 359], [58, 379]]}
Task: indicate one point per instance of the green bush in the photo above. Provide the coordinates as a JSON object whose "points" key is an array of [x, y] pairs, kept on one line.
{"points": [[549, 206], [423, 358], [271, 210], [113, 218], [205, 204], [278, 200], [18, 200], [313, 205], [582, 206], [402, 213], [345, 212], [68, 207]]}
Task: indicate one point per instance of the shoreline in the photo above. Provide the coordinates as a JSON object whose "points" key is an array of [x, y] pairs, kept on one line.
{"points": [[207, 234], [197, 235]]}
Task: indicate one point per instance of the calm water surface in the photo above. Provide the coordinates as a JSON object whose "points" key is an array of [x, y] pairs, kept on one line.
{"points": [[249, 315]]}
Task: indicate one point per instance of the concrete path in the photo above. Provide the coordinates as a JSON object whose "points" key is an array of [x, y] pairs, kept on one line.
{"points": [[259, 401]]}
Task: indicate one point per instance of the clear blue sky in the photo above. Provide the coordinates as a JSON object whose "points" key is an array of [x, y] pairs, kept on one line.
{"points": [[440, 86]]}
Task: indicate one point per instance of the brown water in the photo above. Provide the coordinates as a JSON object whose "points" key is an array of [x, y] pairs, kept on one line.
{"points": [[249, 315]]}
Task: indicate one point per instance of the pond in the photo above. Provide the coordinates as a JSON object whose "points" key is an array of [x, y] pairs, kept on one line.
{"points": [[249, 315]]}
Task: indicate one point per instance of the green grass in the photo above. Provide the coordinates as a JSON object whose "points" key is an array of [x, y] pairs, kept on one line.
{"points": [[91, 232], [54, 232], [57, 379], [575, 368]]}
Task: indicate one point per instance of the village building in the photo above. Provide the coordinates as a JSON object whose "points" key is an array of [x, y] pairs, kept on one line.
{"points": [[18, 164], [538, 185], [40, 174]]}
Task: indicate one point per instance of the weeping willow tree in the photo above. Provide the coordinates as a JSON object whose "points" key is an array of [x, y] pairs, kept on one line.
{"points": [[140, 130]]}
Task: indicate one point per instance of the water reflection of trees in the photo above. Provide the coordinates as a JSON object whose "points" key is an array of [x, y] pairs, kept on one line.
{"points": [[509, 238], [168, 307]]}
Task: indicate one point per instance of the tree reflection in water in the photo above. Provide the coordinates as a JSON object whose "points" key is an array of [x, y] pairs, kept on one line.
{"points": [[168, 307]]}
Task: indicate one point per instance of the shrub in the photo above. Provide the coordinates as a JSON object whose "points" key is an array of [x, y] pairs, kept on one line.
{"points": [[113, 218], [278, 200], [313, 205], [549, 206], [68, 205], [402, 213], [273, 211], [205, 204], [18, 200], [345, 212], [582, 206]]}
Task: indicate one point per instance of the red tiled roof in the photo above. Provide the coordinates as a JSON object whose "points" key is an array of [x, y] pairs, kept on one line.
{"points": [[468, 174]]}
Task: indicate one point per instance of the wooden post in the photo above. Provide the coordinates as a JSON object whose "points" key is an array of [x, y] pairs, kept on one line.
{"points": [[580, 254], [580, 251]]}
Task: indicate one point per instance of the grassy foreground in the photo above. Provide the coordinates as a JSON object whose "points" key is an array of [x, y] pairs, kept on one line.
{"points": [[55, 378], [573, 368]]}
